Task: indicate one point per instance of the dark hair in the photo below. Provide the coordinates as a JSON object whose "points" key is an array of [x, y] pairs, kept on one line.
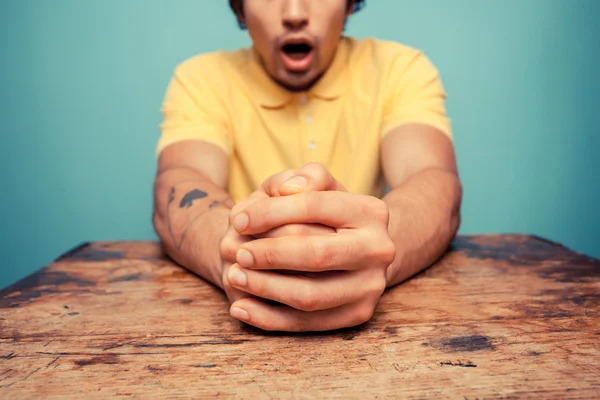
{"points": [[236, 6]]}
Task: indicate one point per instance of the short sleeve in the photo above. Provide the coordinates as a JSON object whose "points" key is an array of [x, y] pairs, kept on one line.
{"points": [[415, 94], [192, 110]]}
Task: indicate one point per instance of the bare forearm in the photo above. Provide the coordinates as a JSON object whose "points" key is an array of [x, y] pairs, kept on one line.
{"points": [[424, 217], [190, 218]]}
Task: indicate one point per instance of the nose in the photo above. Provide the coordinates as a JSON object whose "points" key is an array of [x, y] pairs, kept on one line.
{"points": [[295, 15]]}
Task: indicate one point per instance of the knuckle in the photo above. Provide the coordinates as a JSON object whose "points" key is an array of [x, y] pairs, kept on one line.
{"points": [[380, 209], [320, 255], [317, 168], [310, 201], [307, 301], [319, 173], [268, 325], [387, 252], [293, 230], [301, 324], [269, 257], [227, 248], [383, 251], [362, 314], [377, 286]]}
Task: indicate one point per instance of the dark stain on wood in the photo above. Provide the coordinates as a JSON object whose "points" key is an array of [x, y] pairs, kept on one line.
{"points": [[586, 300], [73, 313], [465, 343], [207, 366], [528, 252], [568, 267], [8, 357], [572, 294], [151, 368], [578, 269], [532, 354], [44, 281], [392, 330], [468, 364], [103, 359], [184, 301], [128, 278], [348, 336], [557, 315], [89, 252]]}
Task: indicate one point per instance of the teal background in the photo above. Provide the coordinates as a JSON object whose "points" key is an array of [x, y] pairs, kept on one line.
{"points": [[82, 82]]}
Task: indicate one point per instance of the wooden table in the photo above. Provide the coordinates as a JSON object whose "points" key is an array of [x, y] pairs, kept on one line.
{"points": [[497, 317]]}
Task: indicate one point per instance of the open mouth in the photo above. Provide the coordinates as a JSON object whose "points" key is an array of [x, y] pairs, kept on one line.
{"points": [[297, 51], [297, 55]]}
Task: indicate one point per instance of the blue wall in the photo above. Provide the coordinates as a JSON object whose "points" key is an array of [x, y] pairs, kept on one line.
{"points": [[82, 81]]}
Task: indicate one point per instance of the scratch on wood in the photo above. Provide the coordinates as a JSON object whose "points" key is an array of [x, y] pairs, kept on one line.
{"points": [[117, 345], [52, 362], [531, 354], [209, 342], [468, 364], [104, 359]]}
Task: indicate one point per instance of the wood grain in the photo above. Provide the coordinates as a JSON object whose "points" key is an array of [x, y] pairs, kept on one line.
{"points": [[499, 317]]}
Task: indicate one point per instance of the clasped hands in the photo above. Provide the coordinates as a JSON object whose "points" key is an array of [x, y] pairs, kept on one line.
{"points": [[303, 254]]}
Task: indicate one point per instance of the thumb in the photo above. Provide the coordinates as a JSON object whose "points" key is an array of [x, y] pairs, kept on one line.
{"points": [[310, 177]]}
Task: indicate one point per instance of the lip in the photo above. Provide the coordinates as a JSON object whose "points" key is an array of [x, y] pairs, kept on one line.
{"points": [[296, 65]]}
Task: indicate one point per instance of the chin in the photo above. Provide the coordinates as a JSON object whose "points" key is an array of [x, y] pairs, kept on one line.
{"points": [[297, 81]]}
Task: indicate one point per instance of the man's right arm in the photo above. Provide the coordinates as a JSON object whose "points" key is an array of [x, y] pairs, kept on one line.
{"points": [[191, 205]]}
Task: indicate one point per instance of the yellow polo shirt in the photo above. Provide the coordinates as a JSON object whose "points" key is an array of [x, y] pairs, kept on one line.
{"points": [[372, 86]]}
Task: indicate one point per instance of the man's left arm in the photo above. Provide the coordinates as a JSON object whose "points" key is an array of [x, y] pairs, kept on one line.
{"points": [[419, 165]]}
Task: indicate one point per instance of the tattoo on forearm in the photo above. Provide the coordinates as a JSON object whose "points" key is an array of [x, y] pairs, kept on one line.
{"points": [[190, 196], [180, 223]]}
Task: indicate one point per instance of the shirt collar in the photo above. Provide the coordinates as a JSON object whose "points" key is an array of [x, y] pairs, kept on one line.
{"points": [[331, 85]]}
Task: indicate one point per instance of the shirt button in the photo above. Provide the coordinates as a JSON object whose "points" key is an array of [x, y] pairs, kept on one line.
{"points": [[312, 145], [308, 120], [303, 99]]}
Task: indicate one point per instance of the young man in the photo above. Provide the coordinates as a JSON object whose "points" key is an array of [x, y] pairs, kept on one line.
{"points": [[302, 132]]}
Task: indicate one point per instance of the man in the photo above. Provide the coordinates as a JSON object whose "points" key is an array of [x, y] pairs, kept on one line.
{"points": [[273, 162]]}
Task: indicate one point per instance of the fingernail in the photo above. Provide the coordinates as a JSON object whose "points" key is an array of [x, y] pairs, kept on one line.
{"points": [[244, 258], [238, 313], [297, 182], [237, 277], [240, 222]]}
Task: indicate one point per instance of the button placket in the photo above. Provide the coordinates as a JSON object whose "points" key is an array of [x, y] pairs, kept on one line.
{"points": [[307, 120]]}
